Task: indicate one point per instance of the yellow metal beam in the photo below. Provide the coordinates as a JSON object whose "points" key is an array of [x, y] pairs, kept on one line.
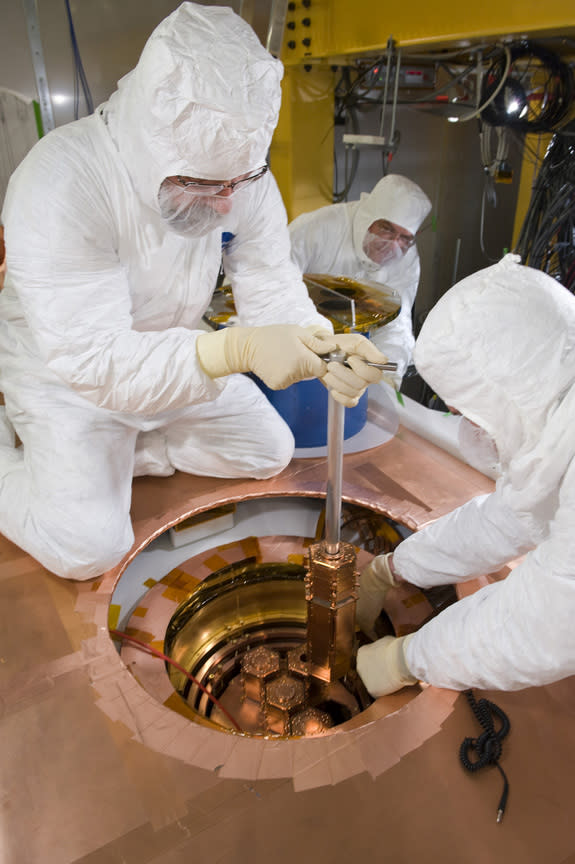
{"points": [[335, 28], [301, 154]]}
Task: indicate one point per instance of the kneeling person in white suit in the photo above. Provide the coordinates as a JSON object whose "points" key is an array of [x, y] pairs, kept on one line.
{"points": [[499, 347], [114, 228]]}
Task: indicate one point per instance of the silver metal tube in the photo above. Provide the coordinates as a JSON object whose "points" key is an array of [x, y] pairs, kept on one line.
{"points": [[276, 24], [335, 423]]}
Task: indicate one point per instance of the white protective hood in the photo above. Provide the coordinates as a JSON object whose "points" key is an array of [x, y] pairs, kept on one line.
{"points": [[203, 101], [394, 198], [500, 347]]}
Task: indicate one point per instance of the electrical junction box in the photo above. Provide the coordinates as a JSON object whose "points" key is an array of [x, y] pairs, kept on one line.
{"points": [[417, 76], [409, 76]]}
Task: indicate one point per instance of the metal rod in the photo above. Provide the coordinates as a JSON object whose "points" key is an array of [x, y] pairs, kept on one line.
{"points": [[276, 25], [335, 424], [37, 52]]}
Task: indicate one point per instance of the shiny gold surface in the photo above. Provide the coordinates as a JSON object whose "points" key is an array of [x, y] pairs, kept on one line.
{"points": [[226, 606], [247, 623], [347, 303], [350, 304]]}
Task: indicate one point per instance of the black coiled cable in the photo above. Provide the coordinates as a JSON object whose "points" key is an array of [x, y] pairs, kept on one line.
{"points": [[487, 746]]}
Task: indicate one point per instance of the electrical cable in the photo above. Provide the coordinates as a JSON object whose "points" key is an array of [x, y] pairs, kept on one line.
{"points": [[488, 745], [350, 116], [494, 94], [455, 79], [161, 656], [488, 193], [546, 236], [537, 90], [80, 79]]}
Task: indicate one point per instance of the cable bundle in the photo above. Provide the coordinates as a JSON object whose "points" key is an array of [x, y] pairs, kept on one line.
{"points": [[546, 241], [537, 91]]}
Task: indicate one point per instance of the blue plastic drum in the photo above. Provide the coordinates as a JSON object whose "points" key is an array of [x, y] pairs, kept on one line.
{"points": [[304, 408]]}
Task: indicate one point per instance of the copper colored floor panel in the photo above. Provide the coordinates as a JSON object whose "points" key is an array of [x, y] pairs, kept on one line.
{"points": [[80, 786]]}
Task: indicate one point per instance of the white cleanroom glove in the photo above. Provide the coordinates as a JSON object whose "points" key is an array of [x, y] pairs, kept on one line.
{"points": [[279, 354], [382, 665], [375, 581], [347, 385]]}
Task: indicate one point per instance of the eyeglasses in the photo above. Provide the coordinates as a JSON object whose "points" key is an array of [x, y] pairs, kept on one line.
{"points": [[207, 187], [385, 229]]}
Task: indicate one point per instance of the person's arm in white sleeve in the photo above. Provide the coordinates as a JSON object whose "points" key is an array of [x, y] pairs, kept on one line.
{"points": [[75, 294], [476, 538], [303, 240], [512, 634], [266, 284], [396, 339]]}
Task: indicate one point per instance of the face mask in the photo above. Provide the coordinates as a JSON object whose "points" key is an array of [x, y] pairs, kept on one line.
{"points": [[191, 215], [381, 250], [477, 447]]}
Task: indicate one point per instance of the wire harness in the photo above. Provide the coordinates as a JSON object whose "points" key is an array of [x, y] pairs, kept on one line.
{"points": [[546, 237]]}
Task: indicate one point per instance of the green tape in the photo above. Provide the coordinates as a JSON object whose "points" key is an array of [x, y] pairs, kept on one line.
{"points": [[38, 116], [400, 398]]}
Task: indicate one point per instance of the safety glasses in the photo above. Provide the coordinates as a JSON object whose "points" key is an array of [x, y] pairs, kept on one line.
{"points": [[383, 228], [208, 187]]}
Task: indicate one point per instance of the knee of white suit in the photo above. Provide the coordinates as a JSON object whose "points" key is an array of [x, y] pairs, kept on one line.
{"points": [[90, 556], [276, 455], [85, 548]]}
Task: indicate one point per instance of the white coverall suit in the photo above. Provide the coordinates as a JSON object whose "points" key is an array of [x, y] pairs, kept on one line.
{"points": [[330, 240], [500, 348], [99, 314]]}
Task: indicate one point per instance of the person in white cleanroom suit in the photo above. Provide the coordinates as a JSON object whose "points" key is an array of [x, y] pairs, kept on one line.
{"points": [[374, 239], [114, 229], [499, 347]]}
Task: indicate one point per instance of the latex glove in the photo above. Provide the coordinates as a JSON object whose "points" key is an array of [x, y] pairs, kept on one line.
{"points": [[376, 580], [348, 385], [382, 665], [279, 354]]}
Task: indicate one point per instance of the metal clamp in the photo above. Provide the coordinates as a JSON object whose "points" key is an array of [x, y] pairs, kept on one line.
{"points": [[341, 357]]}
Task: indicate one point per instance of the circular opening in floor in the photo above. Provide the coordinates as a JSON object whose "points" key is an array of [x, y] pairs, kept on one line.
{"points": [[231, 624]]}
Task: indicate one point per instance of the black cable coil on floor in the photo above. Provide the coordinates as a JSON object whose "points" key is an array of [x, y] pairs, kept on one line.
{"points": [[488, 745]]}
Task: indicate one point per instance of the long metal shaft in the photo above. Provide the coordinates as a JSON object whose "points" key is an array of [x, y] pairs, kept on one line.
{"points": [[335, 424]]}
